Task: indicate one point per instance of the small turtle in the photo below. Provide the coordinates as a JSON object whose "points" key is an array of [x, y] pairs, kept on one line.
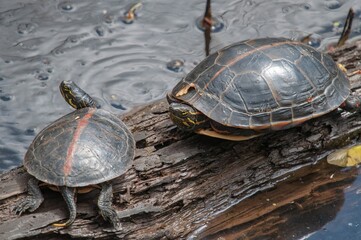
{"points": [[251, 87], [79, 152]]}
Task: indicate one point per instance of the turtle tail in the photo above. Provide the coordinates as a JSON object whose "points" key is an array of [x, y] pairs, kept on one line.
{"points": [[69, 197]]}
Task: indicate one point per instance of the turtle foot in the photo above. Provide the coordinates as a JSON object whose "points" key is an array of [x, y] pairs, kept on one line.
{"points": [[32, 201], [30, 204], [105, 205], [110, 215]]}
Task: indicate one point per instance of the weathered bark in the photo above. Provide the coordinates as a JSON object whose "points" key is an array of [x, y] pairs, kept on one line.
{"points": [[179, 181]]}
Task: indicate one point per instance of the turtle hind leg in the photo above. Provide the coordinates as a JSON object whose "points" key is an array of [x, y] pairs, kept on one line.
{"points": [[105, 204], [33, 200], [69, 197]]}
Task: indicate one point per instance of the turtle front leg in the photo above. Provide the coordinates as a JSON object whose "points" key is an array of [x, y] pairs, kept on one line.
{"points": [[105, 204], [352, 104], [33, 200], [68, 194]]}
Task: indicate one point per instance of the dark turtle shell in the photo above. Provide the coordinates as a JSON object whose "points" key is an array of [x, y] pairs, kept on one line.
{"points": [[85, 147], [269, 83]]}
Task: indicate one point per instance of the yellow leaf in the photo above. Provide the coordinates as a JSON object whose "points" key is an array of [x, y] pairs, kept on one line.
{"points": [[346, 157]]}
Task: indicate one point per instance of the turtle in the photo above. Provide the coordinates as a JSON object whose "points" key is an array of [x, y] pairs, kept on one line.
{"points": [[77, 153], [256, 86]]}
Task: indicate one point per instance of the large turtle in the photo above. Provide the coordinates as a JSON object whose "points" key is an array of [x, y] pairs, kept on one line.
{"points": [[78, 152], [254, 86]]}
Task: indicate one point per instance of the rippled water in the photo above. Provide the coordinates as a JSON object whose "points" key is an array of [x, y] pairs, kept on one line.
{"points": [[124, 65]]}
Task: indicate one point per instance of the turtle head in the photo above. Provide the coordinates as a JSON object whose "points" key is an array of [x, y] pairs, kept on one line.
{"points": [[186, 117], [75, 96]]}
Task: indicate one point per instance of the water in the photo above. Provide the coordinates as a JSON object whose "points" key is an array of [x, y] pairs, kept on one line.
{"points": [[125, 65]]}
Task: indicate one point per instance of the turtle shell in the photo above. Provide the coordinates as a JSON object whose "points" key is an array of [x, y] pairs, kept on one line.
{"points": [[85, 147], [268, 83]]}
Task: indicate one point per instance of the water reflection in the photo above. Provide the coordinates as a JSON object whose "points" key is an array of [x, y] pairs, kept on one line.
{"points": [[306, 206]]}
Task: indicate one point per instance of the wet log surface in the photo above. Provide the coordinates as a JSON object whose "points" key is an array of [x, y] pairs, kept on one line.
{"points": [[180, 181]]}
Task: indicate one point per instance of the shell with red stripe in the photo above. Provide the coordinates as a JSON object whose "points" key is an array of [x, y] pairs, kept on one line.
{"points": [[263, 84], [87, 146]]}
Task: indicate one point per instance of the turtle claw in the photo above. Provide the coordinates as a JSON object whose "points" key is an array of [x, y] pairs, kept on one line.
{"points": [[110, 215], [20, 207], [32, 201], [28, 204], [105, 205]]}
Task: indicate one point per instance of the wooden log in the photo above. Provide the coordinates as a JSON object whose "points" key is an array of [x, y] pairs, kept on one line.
{"points": [[179, 181]]}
